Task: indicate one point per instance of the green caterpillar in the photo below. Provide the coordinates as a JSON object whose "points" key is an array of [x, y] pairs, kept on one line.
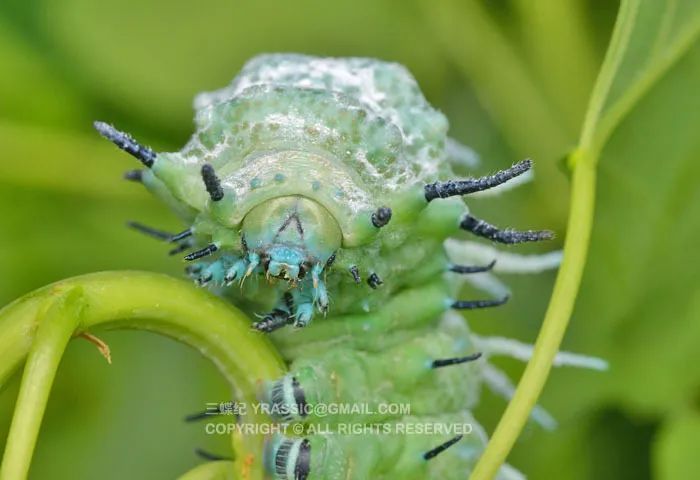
{"points": [[322, 187]]}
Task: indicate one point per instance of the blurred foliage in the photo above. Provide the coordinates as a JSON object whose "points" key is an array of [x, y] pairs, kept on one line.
{"points": [[513, 77]]}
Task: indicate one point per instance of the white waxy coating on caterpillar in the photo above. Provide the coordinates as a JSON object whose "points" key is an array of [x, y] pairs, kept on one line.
{"points": [[382, 133]]}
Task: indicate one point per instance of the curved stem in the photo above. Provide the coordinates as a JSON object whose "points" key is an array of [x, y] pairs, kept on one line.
{"points": [[157, 303], [52, 336]]}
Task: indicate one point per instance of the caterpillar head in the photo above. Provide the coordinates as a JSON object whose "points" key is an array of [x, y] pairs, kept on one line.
{"points": [[292, 236], [285, 171]]}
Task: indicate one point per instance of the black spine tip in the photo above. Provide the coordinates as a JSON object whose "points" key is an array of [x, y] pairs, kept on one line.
{"points": [[212, 457], [451, 188], [195, 417], [134, 176], [446, 362], [508, 236], [472, 268], [180, 248], [151, 232], [381, 217], [212, 183], [127, 143], [355, 272], [374, 280], [474, 304], [441, 448], [206, 251], [182, 235]]}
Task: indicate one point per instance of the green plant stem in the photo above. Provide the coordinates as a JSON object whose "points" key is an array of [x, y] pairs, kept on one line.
{"points": [[52, 336], [143, 301], [553, 328], [583, 162]]}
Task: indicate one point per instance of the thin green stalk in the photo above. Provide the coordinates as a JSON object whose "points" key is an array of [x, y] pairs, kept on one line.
{"points": [[583, 163], [52, 336], [148, 302], [554, 325]]}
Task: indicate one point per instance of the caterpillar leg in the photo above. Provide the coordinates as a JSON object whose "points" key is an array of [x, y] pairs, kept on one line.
{"points": [[215, 273], [283, 314], [274, 320], [409, 309]]}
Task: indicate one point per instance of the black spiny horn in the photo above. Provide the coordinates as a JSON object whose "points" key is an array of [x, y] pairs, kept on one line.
{"points": [[474, 304], [182, 235], [127, 143], [206, 251], [151, 232], [472, 268], [212, 183], [446, 362], [181, 248], [441, 448], [212, 457], [484, 229], [134, 176], [451, 188]]}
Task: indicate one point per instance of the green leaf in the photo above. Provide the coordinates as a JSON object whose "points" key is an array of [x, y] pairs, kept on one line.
{"points": [[652, 37], [647, 134]]}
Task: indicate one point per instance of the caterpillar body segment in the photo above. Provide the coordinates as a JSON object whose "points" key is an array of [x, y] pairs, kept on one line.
{"points": [[344, 376], [412, 448]]}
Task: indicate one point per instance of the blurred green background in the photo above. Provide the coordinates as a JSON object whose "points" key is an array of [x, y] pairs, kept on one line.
{"points": [[514, 78]]}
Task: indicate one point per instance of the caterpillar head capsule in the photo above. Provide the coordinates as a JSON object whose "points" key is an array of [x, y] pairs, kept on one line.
{"points": [[292, 235], [302, 162]]}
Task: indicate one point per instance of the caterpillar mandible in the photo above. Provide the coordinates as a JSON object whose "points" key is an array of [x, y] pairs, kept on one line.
{"points": [[323, 187]]}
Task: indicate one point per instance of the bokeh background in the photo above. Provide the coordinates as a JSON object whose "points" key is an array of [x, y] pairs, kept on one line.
{"points": [[514, 78]]}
